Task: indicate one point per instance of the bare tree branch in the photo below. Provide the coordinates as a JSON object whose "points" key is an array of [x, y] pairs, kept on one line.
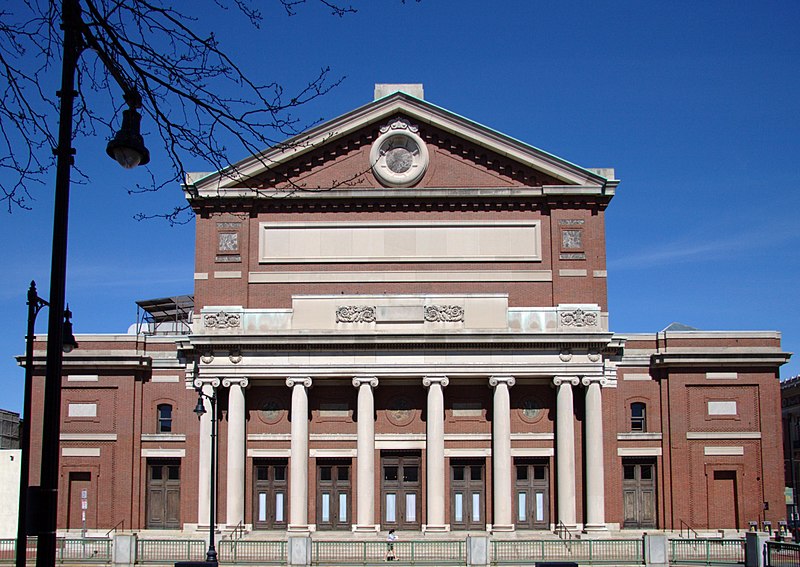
{"points": [[183, 75]]}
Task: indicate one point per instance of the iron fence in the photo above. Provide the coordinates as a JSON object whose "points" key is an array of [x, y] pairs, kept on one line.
{"points": [[780, 554], [595, 552], [247, 551], [170, 550], [701, 551], [368, 552]]}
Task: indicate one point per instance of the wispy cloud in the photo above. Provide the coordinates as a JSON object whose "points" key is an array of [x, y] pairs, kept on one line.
{"points": [[695, 249]]}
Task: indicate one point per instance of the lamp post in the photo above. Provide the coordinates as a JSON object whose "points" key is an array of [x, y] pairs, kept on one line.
{"points": [[211, 554], [77, 37], [35, 304]]}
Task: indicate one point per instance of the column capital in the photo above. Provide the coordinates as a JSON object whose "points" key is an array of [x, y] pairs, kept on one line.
{"points": [[371, 381], [200, 382], [495, 381], [587, 380], [440, 379], [228, 382], [558, 380], [304, 381]]}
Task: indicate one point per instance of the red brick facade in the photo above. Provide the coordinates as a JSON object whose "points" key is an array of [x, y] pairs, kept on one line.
{"points": [[690, 420]]}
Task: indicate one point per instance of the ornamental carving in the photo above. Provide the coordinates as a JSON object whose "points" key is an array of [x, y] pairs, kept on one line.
{"points": [[399, 124], [235, 356], [355, 314], [532, 409], [222, 320], [578, 318], [400, 411], [444, 313]]}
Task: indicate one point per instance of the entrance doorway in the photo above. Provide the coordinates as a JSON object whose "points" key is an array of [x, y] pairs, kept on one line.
{"points": [[639, 494], [270, 488], [401, 491], [164, 494], [723, 500], [532, 493], [80, 484], [467, 494], [333, 494]]}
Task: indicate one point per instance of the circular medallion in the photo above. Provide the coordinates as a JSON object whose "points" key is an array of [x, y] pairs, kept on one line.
{"points": [[532, 409], [399, 156], [271, 411], [400, 412]]}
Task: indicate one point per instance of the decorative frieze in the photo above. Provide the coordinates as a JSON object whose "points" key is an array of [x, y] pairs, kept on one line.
{"points": [[222, 320], [444, 313], [578, 318], [355, 314]]}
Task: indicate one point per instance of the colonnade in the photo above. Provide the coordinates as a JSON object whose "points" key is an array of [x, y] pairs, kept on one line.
{"points": [[366, 519]]}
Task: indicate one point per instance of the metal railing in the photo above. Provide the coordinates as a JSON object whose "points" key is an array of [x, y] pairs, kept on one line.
{"points": [[252, 551], [170, 550], [780, 554], [367, 552], [83, 550], [596, 552], [704, 551]]}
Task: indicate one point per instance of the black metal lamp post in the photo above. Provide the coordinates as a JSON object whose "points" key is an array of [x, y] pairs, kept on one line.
{"points": [[77, 37], [35, 304], [211, 554]]}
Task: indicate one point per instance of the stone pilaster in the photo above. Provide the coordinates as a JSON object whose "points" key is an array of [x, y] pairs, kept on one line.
{"points": [[298, 464], [365, 466], [434, 450]]}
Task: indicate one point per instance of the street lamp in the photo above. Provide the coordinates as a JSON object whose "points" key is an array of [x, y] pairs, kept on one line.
{"points": [[200, 409], [35, 304], [77, 37]]}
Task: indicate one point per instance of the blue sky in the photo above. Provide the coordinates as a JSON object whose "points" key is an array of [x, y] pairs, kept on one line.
{"points": [[695, 104]]}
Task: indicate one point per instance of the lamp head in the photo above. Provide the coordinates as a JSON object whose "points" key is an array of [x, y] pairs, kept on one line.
{"points": [[69, 343], [127, 147], [200, 408]]}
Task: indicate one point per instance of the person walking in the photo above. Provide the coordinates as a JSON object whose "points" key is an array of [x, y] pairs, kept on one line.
{"points": [[390, 539]]}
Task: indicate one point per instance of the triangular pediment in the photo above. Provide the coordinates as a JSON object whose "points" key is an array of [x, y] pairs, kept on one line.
{"points": [[341, 155]]}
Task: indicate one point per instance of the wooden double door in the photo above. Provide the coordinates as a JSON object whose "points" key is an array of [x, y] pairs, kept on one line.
{"points": [[532, 494], [163, 494], [638, 493], [401, 490]]}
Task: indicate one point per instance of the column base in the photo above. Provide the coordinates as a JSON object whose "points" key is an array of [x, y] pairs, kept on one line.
{"points": [[500, 528], [595, 528], [299, 529], [366, 528], [435, 528]]}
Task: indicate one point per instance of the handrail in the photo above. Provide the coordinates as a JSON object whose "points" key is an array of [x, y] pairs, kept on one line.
{"points": [[688, 529], [239, 529], [560, 530], [122, 521]]}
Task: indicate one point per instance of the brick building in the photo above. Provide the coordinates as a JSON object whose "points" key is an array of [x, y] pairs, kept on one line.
{"points": [[404, 317]]}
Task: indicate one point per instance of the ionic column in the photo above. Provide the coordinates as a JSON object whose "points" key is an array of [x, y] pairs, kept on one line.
{"points": [[501, 454], [595, 473], [236, 450], [204, 452], [565, 450], [365, 456], [298, 466], [434, 450]]}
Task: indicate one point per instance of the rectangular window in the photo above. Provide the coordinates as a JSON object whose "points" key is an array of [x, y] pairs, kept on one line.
{"points": [[476, 507], [539, 506], [262, 506], [522, 506], [279, 507], [342, 507], [326, 507], [459, 507], [411, 507], [391, 510]]}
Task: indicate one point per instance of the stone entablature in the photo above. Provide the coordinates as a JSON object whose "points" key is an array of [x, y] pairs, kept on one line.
{"points": [[404, 314]]}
